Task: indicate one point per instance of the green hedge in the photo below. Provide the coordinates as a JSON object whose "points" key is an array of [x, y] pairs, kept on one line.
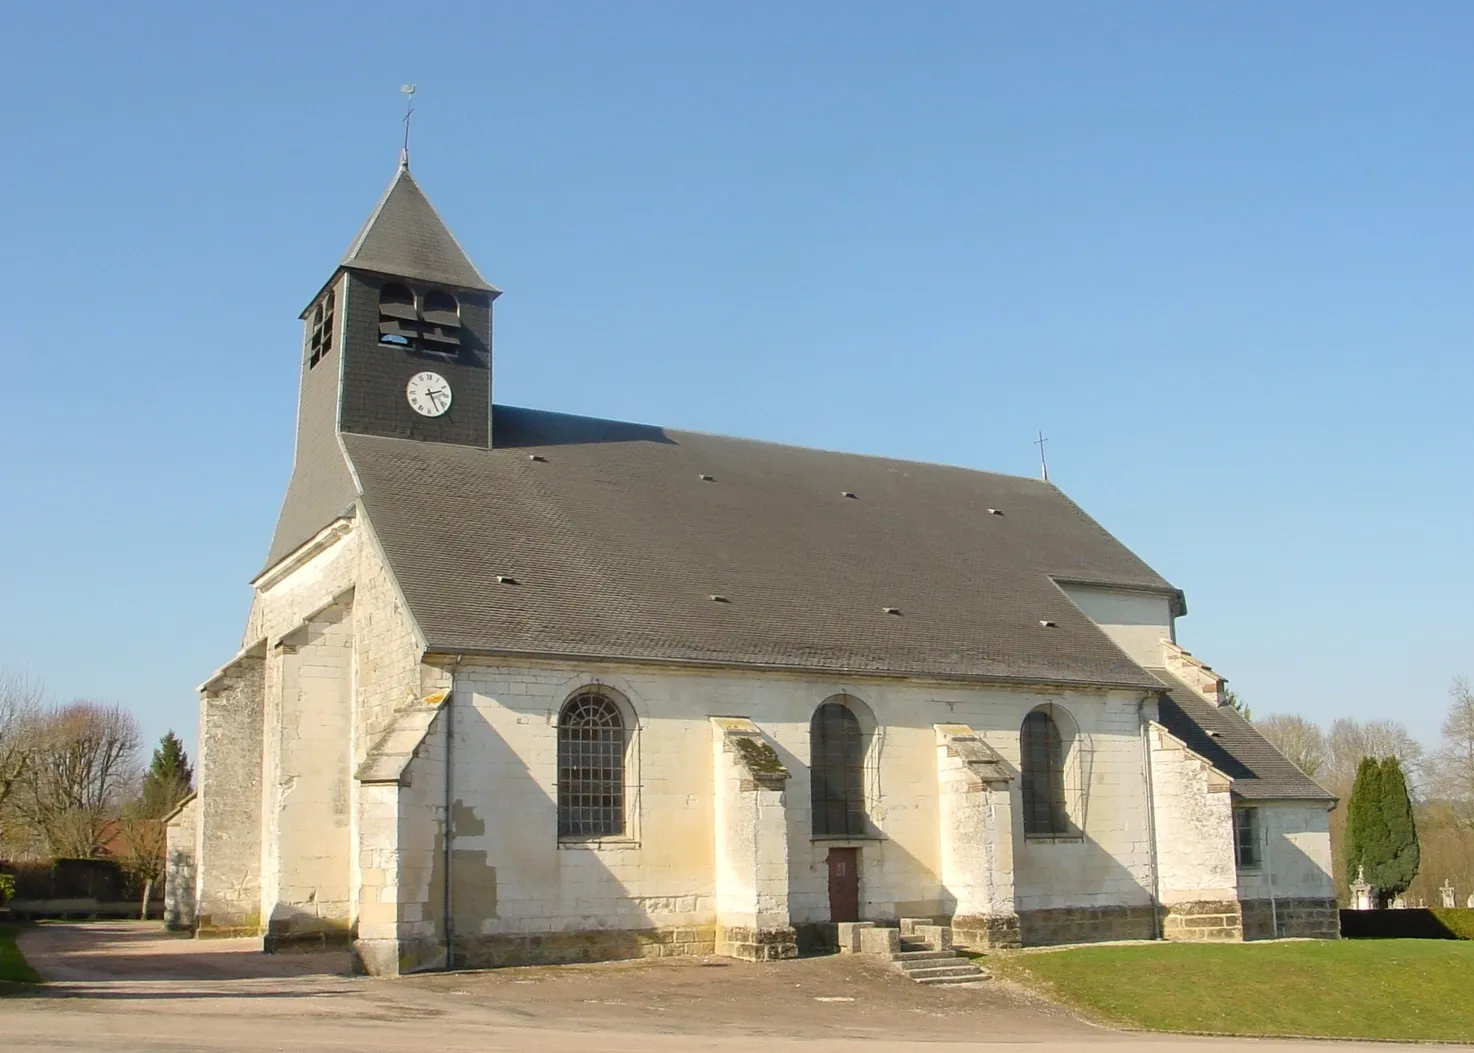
{"points": [[1457, 920], [1450, 923]]}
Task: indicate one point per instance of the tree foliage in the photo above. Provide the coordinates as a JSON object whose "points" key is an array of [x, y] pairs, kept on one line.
{"points": [[1381, 833], [169, 777]]}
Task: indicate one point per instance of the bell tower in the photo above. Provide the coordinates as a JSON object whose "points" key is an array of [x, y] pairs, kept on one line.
{"points": [[397, 344]]}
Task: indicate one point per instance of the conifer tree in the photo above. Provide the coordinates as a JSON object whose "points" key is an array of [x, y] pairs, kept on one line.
{"points": [[169, 775], [1381, 836], [1395, 872], [1364, 822]]}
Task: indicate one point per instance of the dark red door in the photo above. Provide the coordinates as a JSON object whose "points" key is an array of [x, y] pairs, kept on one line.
{"points": [[844, 884]]}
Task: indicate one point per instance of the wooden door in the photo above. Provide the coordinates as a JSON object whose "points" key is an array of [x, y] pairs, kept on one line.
{"points": [[844, 884]]}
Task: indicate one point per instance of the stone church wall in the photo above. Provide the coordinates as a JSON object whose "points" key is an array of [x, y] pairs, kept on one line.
{"points": [[228, 835], [655, 887], [1296, 869], [180, 872], [1197, 873]]}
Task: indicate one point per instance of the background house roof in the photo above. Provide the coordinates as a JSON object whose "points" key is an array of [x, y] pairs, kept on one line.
{"points": [[618, 536]]}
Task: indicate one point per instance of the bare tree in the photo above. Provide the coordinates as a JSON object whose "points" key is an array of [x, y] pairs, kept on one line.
{"points": [[1348, 741], [1299, 739], [20, 710], [143, 836], [83, 765], [1453, 763]]}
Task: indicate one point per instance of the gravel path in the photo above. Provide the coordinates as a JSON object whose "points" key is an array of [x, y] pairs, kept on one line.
{"points": [[129, 987]]}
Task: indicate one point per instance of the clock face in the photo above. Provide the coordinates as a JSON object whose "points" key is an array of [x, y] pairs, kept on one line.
{"points": [[429, 394]]}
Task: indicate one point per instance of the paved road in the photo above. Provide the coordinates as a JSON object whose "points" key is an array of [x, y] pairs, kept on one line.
{"points": [[126, 987]]}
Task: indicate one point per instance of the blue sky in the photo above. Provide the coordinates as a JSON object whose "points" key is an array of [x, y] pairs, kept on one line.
{"points": [[1220, 253]]}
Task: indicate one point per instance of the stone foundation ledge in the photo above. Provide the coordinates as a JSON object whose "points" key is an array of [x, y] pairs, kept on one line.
{"points": [[985, 931], [585, 945], [1207, 921], [378, 957], [1056, 925], [1316, 919], [757, 945]]}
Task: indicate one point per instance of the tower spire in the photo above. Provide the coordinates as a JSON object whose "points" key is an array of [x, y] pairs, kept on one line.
{"points": [[409, 111]]}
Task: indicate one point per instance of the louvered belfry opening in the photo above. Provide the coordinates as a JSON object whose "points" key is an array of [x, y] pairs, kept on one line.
{"points": [[1042, 771], [591, 747], [320, 339], [399, 320], [430, 323], [442, 323], [837, 771]]}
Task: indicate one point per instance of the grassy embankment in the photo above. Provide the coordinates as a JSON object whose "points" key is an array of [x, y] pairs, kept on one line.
{"points": [[13, 967], [1384, 989]]}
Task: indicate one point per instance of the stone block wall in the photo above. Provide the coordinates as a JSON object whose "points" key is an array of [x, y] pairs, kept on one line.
{"points": [[1203, 921], [306, 893], [180, 872], [1197, 872], [228, 837], [1086, 925], [1315, 919]]}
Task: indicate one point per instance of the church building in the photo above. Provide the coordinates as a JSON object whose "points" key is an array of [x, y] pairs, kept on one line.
{"points": [[521, 687]]}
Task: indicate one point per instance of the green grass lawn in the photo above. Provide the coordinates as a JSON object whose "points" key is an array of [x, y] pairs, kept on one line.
{"points": [[1389, 989], [13, 967]]}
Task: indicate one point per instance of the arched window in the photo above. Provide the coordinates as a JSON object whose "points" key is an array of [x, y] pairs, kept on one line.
{"points": [[591, 742], [320, 339], [837, 771], [1042, 767], [399, 322]]}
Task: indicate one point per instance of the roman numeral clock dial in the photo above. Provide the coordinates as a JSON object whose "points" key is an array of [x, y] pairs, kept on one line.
{"points": [[429, 394]]}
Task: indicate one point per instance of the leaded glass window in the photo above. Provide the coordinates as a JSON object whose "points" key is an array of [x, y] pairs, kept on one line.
{"points": [[1042, 768], [837, 771], [591, 748]]}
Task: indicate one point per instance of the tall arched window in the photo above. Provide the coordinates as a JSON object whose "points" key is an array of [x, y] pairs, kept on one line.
{"points": [[591, 743], [1042, 767], [837, 771]]}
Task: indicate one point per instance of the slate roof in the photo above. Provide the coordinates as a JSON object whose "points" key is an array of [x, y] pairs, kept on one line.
{"points": [[406, 237], [1258, 770], [617, 545]]}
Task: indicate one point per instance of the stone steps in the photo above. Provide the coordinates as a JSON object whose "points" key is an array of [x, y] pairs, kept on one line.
{"points": [[925, 955]]}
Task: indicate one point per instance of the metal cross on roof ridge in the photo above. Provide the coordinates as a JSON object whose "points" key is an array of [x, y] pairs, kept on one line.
{"points": [[409, 111]]}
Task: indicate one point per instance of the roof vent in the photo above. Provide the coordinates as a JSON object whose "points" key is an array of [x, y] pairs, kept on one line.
{"points": [[706, 478], [536, 457], [1215, 734], [848, 493], [995, 511], [506, 579], [719, 599], [1048, 624], [890, 610]]}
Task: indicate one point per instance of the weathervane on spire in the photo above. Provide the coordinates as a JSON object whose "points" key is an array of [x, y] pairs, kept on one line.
{"points": [[409, 111]]}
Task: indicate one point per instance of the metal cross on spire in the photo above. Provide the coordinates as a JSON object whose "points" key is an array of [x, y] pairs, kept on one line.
{"points": [[409, 111], [1043, 463]]}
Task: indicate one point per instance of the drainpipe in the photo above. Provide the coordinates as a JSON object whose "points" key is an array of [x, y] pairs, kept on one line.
{"points": [[1274, 914], [449, 714], [1151, 815]]}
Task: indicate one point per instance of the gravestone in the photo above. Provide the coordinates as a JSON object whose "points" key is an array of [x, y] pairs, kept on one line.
{"points": [[1363, 895], [1446, 894]]}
